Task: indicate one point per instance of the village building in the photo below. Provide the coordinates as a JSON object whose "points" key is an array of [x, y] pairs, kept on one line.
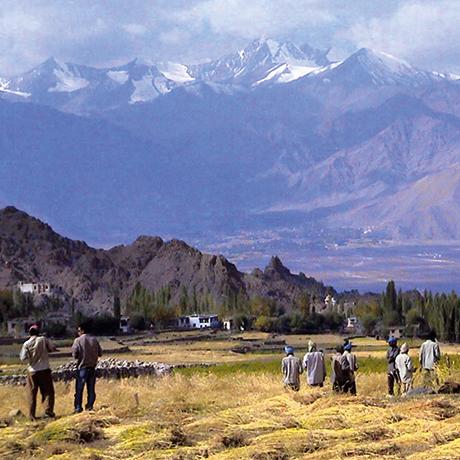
{"points": [[228, 324], [18, 327], [396, 331], [198, 321], [35, 288], [124, 326], [330, 303]]}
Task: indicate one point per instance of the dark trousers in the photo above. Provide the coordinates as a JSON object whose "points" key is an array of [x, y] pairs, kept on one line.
{"points": [[85, 376], [40, 380], [392, 379], [350, 386]]}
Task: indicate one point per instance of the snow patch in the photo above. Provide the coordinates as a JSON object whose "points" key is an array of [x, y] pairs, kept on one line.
{"points": [[120, 76], [67, 82], [4, 89], [177, 73], [294, 72], [143, 90]]}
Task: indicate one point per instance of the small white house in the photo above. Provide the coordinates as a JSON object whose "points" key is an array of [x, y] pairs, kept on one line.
{"points": [[330, 302], [352, 322], [228, 324], [124, 325], [396, 332], [199, 321], [34, 288]]}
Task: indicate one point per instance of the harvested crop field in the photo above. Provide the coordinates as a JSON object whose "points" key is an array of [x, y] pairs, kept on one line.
{"points": [[236, 416], [236, 411]]}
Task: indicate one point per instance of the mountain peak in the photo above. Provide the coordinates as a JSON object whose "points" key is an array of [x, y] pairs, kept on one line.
{"points": [[367, 66]]}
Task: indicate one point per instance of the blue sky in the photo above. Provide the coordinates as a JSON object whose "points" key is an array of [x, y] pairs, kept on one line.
{"points": [[109, 32]]}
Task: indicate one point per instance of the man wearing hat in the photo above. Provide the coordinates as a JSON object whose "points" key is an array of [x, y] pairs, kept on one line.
{"points": [[350, 384], [405, 368], [392, 373], [291, 367], [35, 351]]}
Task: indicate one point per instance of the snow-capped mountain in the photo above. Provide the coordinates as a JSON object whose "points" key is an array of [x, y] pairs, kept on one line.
{"points": [[377, 68], [262, 61], [280, 135], [262, 64], [82, 89]]}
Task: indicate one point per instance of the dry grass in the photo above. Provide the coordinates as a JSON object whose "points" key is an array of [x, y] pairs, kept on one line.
{"points": [[236, 416], [226, 413]]}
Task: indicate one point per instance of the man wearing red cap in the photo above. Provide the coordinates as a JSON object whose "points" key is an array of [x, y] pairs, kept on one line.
{"points": [[35, 352]]}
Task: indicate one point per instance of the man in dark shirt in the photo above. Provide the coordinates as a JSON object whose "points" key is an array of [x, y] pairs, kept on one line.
{"points": [[392, 373], [86, 350]]}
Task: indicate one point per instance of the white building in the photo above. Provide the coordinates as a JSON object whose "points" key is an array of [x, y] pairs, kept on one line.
{"points": [[124, 325], [198, 321], [34, 288], [330, 302]]}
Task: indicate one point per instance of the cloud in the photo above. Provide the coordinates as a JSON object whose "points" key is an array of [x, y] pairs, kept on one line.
{"points": [[426, 33], [255, 18], [98, 32], [135, 29]]}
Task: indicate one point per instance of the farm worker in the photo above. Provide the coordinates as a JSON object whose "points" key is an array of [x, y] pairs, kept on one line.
{"points": [[392, 373], [86, 350], [405, 368], [350, 385], [313, 363], [291, 367], [35, 351], [340, 370], [429, 355]]}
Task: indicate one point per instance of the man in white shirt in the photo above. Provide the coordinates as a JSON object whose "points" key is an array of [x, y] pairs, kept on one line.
{"points": [[405, 368], [35, 352], [429, 355], [315, 368]]}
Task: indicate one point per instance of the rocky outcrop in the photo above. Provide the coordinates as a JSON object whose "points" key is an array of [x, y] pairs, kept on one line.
{"points": [[31, 251]]}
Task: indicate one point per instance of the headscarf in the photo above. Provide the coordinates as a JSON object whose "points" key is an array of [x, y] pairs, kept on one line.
{"points": [[289, 350], [311, 346], [348, 346], [404, 348]]}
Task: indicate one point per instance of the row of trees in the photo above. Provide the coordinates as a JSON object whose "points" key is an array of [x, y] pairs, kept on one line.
{"points": [[146, 307], [417, 312]]}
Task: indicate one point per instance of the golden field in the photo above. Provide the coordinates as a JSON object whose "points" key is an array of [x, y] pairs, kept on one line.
{"points": [[238, 410]]}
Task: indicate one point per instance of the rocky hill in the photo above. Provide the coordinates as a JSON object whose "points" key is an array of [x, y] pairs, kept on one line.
{"points": [[31, 251]]}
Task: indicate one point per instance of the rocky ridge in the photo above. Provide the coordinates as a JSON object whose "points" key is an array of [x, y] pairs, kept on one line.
{"points": [[31, 251]]}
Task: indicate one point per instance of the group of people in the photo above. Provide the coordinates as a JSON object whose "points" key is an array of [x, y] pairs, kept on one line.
{"points": [[401, 368], [86, 350], [345, 364]]}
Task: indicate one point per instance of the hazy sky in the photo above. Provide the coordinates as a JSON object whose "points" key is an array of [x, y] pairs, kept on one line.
{"points": [[107, 32]]}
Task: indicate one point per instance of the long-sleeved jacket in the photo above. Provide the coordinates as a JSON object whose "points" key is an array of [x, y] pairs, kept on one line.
{"points": [[291, 367], [404, 366], [313, 363], [392, 352], [86, 350], [35, 352], [340, 369], [429, 354], [353, 362]]}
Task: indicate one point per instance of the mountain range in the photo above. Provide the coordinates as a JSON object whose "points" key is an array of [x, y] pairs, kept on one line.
{"points": [[31, 251], [273, 137]]}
